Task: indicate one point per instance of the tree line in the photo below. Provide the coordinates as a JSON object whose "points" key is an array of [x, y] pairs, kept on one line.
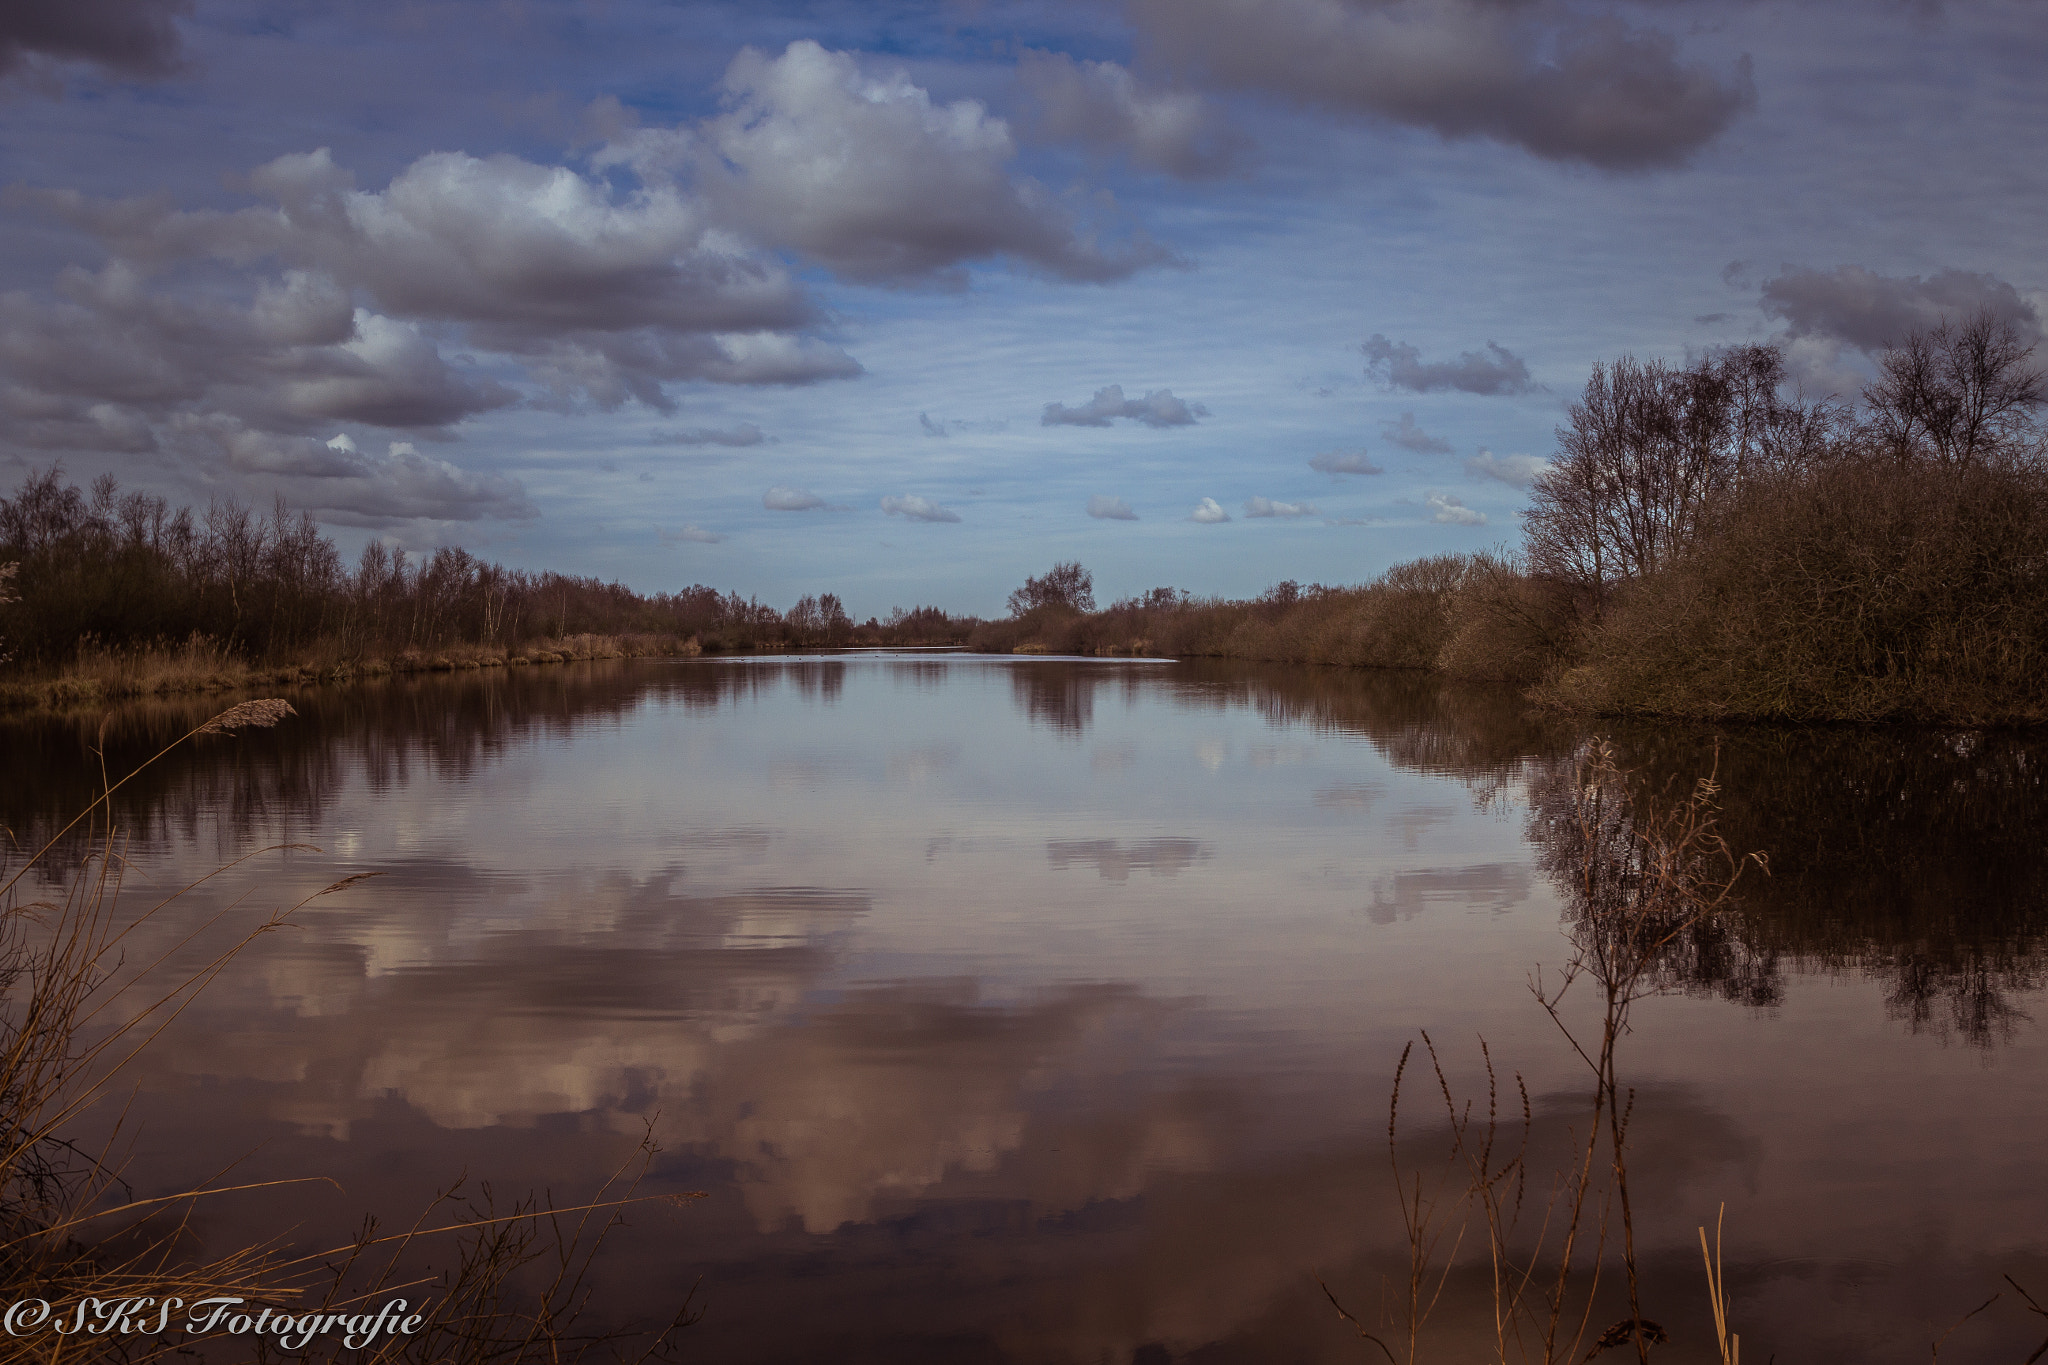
{"points": [[107, 568]]}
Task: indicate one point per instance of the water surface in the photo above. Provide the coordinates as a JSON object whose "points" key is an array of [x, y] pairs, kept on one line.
{"points": [[1039, 1010]]}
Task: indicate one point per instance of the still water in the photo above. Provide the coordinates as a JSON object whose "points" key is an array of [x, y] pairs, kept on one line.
{"points": [[1047, 1011]]}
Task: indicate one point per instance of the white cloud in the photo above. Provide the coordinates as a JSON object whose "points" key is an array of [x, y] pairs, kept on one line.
{"points": [[1517, 470], [1344, 462], [1448, 509], [1208, 512], [694, 534], [865, 174], [1105, 508], [915, 508]]}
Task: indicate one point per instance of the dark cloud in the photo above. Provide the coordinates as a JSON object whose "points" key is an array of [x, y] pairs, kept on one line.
{"points": [[784, 499], [1102, 105], [131, 37], [1409, 436], [865, 174], [745, 434], [1158, 408], [1105, 508], [339, 483], [111, 362], [1870, 311], [1335, 462], [249, 319], [606, 297], [1580, 88], [914, 508], [1495, 370], [929, 427]]}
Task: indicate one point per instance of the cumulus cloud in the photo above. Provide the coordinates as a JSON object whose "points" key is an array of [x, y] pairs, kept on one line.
{"points": [[1869, 311], [468, 283], [1104, 508], [1266, 507], [914, 508], [1562, 84], [132, 37], [693, 534], [1208, 512], [1409, 436], [1449, 510], [1518, 470], [1158, 408], [1495, 370], [112, 364], [745, 434], [782, 498], [1336, 462], [332, 303], [865, 174], [1102, 105]]}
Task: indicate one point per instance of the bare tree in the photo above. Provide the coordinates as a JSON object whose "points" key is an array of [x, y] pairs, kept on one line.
{"points": [[1648, 450], [1961, 395], [1066, 586]]}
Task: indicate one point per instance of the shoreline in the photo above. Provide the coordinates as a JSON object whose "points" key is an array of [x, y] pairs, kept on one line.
{"points": [[112, 678]]}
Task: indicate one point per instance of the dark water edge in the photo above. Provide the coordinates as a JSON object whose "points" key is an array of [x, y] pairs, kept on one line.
{"points": [[1162, 1203]]}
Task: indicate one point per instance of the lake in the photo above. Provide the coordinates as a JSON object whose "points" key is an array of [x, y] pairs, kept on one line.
{"points": [[1040, 1010]]}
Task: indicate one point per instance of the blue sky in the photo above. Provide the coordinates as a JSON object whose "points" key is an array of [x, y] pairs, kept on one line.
{"points": [[887, 300]]}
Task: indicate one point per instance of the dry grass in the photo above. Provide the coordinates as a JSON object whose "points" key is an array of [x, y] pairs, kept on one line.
{"points": [[104, 674], [79, 1001]]}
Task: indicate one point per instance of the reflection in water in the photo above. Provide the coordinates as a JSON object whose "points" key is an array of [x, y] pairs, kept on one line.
{"points": [[1911, 857], [1115, 861], [867, 941]]}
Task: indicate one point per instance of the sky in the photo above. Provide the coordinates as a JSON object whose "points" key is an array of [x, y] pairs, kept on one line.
{"points": [[907, 302]]}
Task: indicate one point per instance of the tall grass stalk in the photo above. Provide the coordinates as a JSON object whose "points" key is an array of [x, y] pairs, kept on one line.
{"points": [[1641, 870]]}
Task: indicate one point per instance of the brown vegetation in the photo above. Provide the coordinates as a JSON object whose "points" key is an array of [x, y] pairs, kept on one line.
{"points": [[105, 595], [1703, 546]]}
